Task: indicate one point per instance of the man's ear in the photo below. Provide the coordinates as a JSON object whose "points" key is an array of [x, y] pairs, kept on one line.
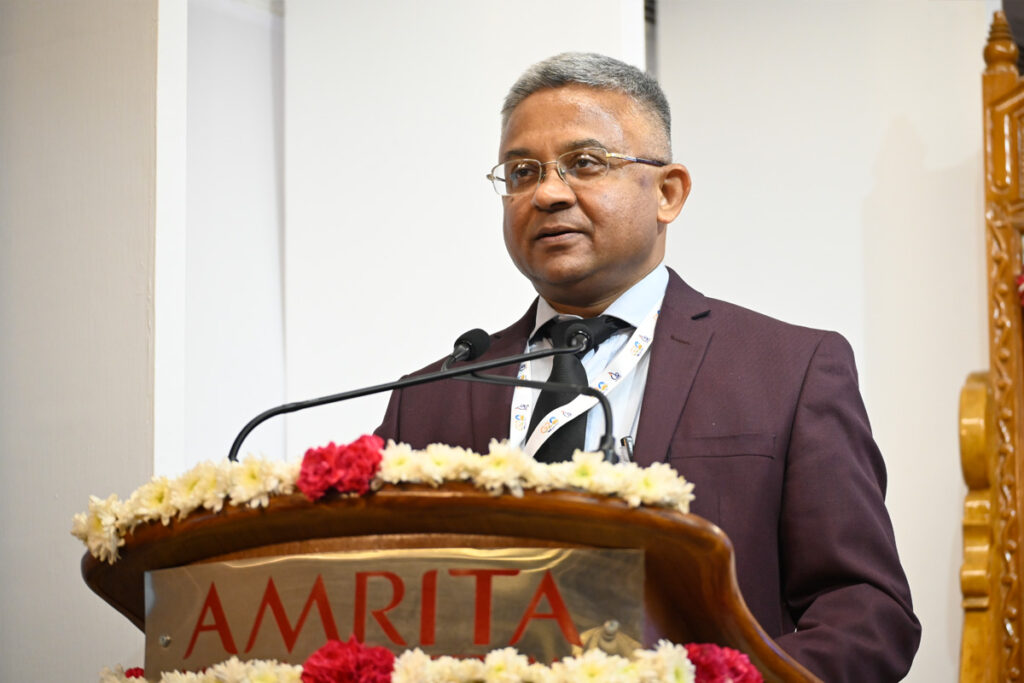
{"points": [[673, 191]]}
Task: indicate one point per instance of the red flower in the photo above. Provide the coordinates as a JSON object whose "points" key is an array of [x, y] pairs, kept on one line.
{"points": [[351, 662], [717, 664], [358, 463], [317, 471], [347, 469], [135, 672]]}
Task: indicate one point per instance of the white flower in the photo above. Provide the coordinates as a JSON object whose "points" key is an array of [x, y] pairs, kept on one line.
{"points": [[286, 473], [115, 675], [462, 670], [398, 464], [505, 666], [415, 666], [235, 670], [411, 664], [100, 528], [80, 526], [503, 468], [232, 670], [667, 662], [439, 463], [660, 485], [252, 480], [265, 675], [186, 677], [289, 674], [152, 501], [191, 490], [590, 472], [593, 665], [541, 477], [211, 487], [538, 673]]}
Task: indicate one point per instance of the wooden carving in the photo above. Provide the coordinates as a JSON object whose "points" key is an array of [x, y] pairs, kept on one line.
{"points": [[991, 424]]}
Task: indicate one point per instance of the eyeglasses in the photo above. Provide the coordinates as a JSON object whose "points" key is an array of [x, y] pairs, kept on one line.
{"points": [[575, 168]]}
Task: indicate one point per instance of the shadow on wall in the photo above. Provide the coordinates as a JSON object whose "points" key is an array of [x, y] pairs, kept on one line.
{"points": [[924, 330]]}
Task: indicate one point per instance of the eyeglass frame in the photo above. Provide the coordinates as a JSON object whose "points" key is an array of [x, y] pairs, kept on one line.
{"points": [[561, 171]]}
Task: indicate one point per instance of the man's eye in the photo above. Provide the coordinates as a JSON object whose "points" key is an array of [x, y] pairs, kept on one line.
{"points": [[584, 164], [519, 173]]}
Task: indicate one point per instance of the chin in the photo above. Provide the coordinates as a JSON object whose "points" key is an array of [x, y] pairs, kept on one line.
{"points": [[561, 280], [578, 292]]}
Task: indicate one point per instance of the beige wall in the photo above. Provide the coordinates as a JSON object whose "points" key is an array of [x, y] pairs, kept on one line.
{"points": [[77, 189]]}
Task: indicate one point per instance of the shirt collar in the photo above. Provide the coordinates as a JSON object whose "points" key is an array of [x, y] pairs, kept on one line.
{"points": [[632, 306]]}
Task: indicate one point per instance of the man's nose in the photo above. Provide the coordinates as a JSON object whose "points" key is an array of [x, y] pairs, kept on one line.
{"points": [[552, 193]]}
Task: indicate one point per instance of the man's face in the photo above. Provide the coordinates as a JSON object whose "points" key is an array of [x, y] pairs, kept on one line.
{"points": [[582, 247]]}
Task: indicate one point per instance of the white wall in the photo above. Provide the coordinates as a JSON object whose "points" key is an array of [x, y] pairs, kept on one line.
{"points": [[835, 150], [77, 179], [233, 335], [386, 265]]}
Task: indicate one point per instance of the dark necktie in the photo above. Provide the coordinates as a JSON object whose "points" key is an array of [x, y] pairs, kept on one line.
{"points": [[567, 368]]}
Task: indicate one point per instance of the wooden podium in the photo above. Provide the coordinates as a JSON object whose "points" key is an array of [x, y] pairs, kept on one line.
{"points": [[690, 590]]}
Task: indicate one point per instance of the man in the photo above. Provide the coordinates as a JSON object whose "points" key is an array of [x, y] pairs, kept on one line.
{"points": [[765, 418]]}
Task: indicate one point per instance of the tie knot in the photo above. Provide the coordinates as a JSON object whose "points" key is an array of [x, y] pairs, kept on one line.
{"points": [[600, 329]]}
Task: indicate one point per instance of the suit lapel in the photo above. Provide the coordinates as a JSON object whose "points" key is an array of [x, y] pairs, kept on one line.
{"points": [[489, 409], [681, 338]]}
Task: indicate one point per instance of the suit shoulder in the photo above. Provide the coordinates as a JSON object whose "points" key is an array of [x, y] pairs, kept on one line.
{"points": [[737, 325], [730, 314], [726, 318]]}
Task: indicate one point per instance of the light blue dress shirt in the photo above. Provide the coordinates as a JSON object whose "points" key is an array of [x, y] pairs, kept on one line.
{"points": [[632, 307]]}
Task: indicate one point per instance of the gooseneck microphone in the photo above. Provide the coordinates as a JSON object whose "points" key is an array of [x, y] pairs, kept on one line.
{"points": [[470, 346], [576, 339], [475, 348], [577, 336]]}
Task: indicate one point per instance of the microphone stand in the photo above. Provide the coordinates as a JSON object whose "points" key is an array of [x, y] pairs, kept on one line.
{"points": [[577, 338], [607, 442], [607, 446]]}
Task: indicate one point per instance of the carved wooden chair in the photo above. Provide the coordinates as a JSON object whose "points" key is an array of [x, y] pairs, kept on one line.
{"points": [[992, 401]]}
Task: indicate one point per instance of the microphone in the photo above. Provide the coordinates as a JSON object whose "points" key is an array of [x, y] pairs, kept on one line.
{"points": [[578, 339], [576, 336], [447, 373], [470, 346]]}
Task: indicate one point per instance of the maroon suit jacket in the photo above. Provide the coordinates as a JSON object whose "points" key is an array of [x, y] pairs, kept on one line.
{"points": [[767, 421]]}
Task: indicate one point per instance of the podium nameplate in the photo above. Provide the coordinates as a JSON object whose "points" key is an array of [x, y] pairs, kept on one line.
{"points": [[454, 601]]}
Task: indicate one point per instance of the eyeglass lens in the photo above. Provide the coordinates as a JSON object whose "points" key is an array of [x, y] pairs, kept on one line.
{"points": [[521, 175]]}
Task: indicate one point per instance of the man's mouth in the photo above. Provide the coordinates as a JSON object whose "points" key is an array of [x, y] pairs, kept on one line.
{"points": [[555, 233]]}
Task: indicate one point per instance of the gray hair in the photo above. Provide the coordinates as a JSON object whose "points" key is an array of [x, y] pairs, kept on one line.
{"points": [[593, 71]]}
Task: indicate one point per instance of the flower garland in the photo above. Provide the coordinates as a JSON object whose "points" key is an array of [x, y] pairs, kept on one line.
{"points": [[363, 466], [233, 670], [353, 661]]}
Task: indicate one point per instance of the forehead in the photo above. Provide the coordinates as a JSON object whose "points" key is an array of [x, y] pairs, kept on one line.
{"points": [[556, 120]]}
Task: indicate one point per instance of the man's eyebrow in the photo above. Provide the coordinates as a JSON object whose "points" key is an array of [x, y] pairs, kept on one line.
{"points": [[579, 144], [567, 147], [516, 154]]}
